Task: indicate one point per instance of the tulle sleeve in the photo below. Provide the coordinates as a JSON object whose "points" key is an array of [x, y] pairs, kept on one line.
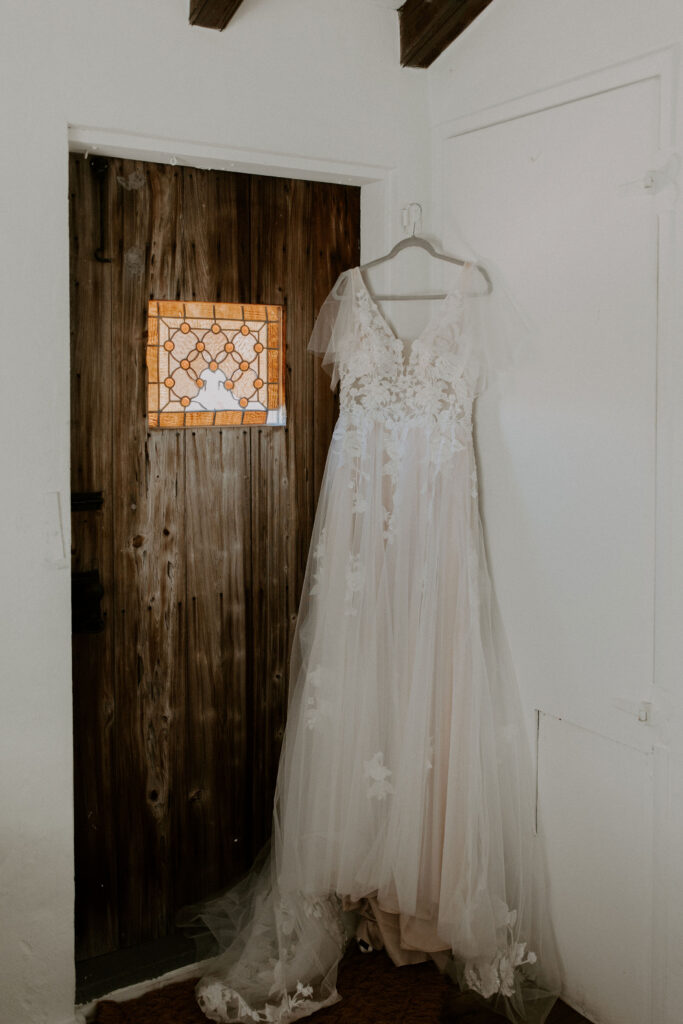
{"points": [[499, 331], [333, 328]]}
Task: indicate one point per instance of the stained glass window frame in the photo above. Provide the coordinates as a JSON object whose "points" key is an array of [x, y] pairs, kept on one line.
{"points": [[198, 348]]}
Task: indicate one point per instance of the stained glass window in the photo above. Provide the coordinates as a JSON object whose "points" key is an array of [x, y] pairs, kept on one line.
{"points": [[215, 364]]}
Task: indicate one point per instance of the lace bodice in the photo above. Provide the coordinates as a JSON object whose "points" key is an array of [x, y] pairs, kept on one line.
{"points": [[433, 388], [431, 391]]}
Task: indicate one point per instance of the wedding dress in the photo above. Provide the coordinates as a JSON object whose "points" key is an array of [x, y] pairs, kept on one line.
{"points": [[404, 802]]}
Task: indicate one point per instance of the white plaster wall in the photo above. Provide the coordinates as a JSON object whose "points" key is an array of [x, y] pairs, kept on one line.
{"points": [[521, 46], [300, 84], [516, 49]]}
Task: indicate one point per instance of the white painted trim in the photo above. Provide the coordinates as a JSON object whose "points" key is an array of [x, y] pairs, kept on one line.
{"points": [[668, 642], [657, 64], [377, 181], [660, 64], [208, 155], [659, 926]]}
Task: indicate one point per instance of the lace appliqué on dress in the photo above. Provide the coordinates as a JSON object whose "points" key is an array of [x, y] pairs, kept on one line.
{"points": [[316, 707], [378, 777], [355, 578], [272, 950], [319, 561], [221, 1003], [503, 973]]}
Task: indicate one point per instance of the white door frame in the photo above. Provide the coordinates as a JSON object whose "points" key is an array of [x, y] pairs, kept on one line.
{"points": [[378, 182]]}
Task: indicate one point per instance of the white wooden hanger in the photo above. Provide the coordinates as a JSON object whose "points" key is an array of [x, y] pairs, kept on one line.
{"points": [[415, 241]]}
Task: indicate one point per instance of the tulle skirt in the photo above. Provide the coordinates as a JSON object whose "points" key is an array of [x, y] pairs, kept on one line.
{"points": [[405, 792]]}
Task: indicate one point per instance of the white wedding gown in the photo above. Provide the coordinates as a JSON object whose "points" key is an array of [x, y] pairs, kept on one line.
{"points": [[404, 796]]}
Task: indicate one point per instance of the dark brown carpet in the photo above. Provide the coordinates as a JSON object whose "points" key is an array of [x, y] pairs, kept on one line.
{"points": [[374, 991]]}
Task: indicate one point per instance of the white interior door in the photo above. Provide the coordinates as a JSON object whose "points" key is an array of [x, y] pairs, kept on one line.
{"points": [[566, 446]]}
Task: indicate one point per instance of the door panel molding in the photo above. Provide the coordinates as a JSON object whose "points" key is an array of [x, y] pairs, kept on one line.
{"points": [[661, 65], [659, 739]]}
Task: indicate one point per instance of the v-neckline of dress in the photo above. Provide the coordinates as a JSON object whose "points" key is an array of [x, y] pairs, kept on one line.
{"points": [[403, 343]]}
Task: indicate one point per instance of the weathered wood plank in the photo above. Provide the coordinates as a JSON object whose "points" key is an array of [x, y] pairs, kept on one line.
{"points": [[213, 13], [427, 27], [273, 475], [149, 528], [303, 235], [91, 537], [211, 784], [335, 245]]}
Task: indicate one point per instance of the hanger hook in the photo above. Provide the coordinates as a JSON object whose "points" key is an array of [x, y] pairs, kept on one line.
{"points": [[411, 218]]}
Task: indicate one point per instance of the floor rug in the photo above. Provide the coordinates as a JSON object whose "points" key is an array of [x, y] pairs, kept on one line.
{"points": [[373, 991]]}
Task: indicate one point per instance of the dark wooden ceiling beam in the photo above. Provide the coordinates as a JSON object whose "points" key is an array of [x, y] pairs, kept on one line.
{"points": [[212, 13], [429, 26]]}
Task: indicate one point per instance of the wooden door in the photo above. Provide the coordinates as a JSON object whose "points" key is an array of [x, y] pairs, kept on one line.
{"points": [[198, 537]]}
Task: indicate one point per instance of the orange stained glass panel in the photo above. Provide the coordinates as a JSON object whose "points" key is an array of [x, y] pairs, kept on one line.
{"points": [[273, 368], [171, 419], [208, 364], [152, 364], [229, 419]]}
